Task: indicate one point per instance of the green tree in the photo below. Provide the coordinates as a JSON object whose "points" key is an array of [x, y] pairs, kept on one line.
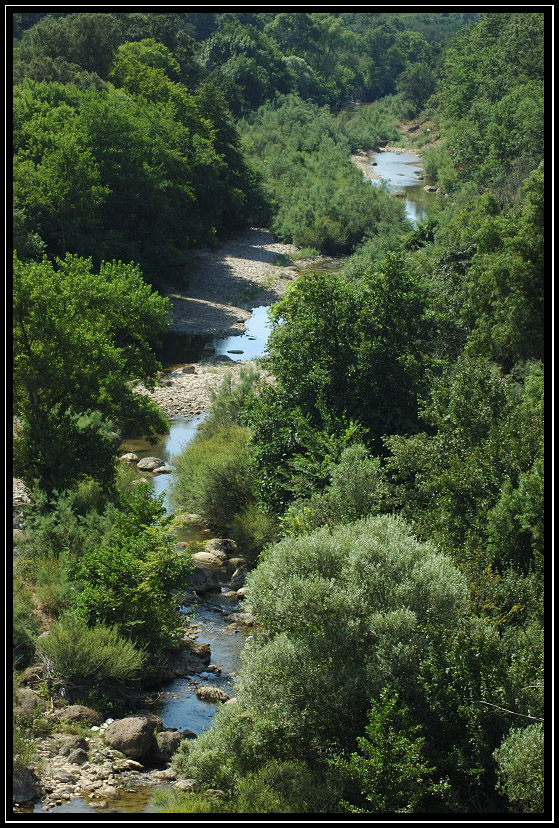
{"points": [[129, 582], [390, 767], [360, 608], [521, 768], [79, 338]]}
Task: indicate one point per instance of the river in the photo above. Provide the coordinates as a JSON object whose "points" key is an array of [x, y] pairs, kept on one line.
{"points": [[180, 708]]}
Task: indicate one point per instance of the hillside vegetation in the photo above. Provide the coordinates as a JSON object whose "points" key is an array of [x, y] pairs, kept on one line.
{"points": [[382, 471]]}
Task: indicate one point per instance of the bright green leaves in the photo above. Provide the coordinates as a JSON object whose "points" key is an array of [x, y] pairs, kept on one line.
{"points": [[79, 336], [390, 767], [129, 582]]}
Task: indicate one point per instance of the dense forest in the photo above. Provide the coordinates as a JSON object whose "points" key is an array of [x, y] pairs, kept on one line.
{"points": [[386, 456]]}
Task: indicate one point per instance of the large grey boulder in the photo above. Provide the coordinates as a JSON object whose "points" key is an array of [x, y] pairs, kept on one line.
{"points": [[133, 736], [212, 694], [149, 464], [129, 457], [238, 578], [26, 786], [221, 546], [79, 713], [166, 744], [215, 558], [203, 580], [26, 702]]}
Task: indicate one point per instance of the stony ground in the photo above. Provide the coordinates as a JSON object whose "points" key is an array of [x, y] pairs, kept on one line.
{"points": [[248, 270]]}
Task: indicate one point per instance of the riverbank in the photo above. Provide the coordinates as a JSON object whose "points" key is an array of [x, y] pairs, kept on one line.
{"points": [[225, 284]]}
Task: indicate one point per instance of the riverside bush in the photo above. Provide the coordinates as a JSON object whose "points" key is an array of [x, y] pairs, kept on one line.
{"points": [[94, 654], [339, 615], [25, 627], [213, 477], [521, 768]]}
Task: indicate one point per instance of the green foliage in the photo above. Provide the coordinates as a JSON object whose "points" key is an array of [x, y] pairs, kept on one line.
{"points": [[353, 604], [227, 403], [349, 359], [356, 489], [53, 591], [213, 476], [92, 654], [252, 530], [479, 475], [521, 768], [286, 787], [78, 337], [491, 91], [359, 606], [390, 767], [23, 749], [319, 198], [25, 628], [137, 173], [129, 581]]}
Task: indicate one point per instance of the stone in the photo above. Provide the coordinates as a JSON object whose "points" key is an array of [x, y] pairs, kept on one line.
{"points": [[225, 546], [187, 785], [26, 786], [212, 694], [27, 701], [189, 369], [399, 194], [241, 593], [78, 756], [65, 774], [71, 744], [163, 470], [149, 464], [166, 744], [129, 457], [238, 578], [430, 189], [79, 713], [202, 651], [216, 558], [133, 736], [203, 580]]}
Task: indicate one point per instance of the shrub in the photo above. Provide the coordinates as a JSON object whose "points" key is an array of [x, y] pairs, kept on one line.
{"points": [[53, 591], [25, 627], [213, 476], [91, 654], [521, 768], [253, 529]]}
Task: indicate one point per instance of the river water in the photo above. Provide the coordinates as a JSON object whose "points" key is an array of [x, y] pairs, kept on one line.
{"points": [[180, 708]]}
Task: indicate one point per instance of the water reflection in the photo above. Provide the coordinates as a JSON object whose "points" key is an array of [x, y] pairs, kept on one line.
{"points": [[399, 171]]}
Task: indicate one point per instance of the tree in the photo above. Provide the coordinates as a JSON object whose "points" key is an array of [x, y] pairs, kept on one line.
{"points": [[130, 581], [521, 768], [390, 767], [79, 338]]}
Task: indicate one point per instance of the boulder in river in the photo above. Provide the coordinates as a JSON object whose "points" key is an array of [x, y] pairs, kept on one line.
{"points": [[149, 464], [129, 457], [133, 736], [238, 578], [209, 558], [27, 786], [163, 470], [203, 580], [212, 694], [166, 744], [225, 546]]}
